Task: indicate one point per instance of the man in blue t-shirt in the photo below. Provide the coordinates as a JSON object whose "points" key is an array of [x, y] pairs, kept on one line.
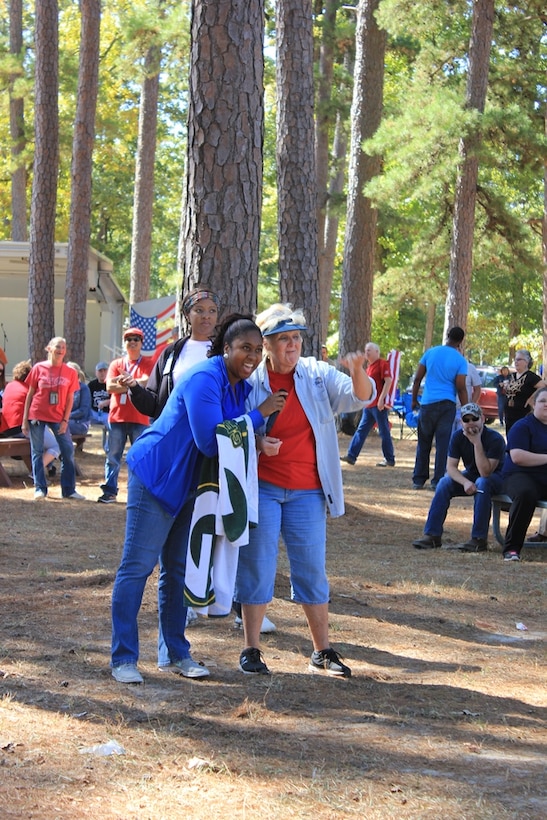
{"points": [[446, 370], [482, 451]]}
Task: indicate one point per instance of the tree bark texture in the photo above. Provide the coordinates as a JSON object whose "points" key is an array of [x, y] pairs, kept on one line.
{"points": [[544, 253], [323, 128], [327, 249], [44, 186], [225, 146], [17, 131], [296, 172], [81, 188], [361, 226], [143, 204], [463, 225]]}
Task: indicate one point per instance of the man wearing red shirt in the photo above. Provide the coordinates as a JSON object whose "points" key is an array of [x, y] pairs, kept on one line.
{"points": [[376, 413], [124, 419]]}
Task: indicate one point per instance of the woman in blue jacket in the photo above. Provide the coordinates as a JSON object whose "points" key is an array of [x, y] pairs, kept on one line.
{"points": [[164, 467]]}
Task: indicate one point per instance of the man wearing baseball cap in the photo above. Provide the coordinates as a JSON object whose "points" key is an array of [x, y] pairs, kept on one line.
{"points": [[100, 397], [482, 452], [125, 421]]}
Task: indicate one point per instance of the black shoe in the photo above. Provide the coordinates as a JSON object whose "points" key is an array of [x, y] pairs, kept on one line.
{"points": [[475, 545], [327, 660], [251, 662], [417, 486], [428, 542], [347, 459], [51, 470], [107, 498]]}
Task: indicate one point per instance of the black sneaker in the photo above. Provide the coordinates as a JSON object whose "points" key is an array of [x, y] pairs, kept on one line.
{"points": [[475, 545], [347, 459], [251, 662], [329, 661], [107, 498], [428, 542]]}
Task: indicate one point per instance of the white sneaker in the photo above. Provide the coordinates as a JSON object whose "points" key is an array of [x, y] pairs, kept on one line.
{"points": [[267, 625], [76, 496], [127, 673], [191, 617], [39, 495], [188, 668]]}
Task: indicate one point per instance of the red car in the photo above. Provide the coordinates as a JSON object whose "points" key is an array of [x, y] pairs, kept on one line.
{"points": [[488, 400]]}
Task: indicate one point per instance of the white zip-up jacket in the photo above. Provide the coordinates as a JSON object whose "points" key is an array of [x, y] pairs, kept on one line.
{"points": [[323, 391]]}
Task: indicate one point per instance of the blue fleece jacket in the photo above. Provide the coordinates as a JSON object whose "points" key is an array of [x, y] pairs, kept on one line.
{"points": [[167, 456]]}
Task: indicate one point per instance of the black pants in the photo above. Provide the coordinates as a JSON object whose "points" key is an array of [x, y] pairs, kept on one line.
{"points": [[526, 491]]}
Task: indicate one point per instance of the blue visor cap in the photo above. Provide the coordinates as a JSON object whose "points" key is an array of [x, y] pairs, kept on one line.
{"points": [[282, 326]]}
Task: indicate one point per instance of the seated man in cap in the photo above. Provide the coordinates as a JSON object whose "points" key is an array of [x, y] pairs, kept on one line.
{"points": [[482, 451]]}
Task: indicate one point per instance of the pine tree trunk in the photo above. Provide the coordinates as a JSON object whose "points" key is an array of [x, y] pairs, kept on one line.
{"points": [[296, 173], [41, 323], [463, 226], [141, 244], [225, 145], [17, 132], [323, 123], [361, 226], [80, 204]]}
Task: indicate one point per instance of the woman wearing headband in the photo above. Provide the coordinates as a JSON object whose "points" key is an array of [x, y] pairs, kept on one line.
{"points": [[200, 309]]}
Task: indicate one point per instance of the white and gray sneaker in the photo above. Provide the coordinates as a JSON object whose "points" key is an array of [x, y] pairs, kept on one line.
{"points": [[267, 625], [188, 668], [127, 673], [191, 617]]}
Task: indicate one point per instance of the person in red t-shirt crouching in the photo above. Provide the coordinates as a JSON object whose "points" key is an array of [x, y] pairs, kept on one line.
{"points": [[125, 421]]}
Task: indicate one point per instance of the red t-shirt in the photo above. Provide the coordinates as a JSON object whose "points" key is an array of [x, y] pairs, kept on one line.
{"points": [[295, 466], [53, 384], [121, 407], [378, 371], [13, 405]]}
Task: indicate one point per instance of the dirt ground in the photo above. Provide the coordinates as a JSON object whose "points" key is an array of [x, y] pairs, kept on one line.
{"points": [[444, 717]]}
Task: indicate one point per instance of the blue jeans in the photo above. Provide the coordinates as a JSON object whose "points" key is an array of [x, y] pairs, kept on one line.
{"points": [[370, 417], [64, 440], [447, 489], [300, 517], [151, 535], [435, 421], [114, 446]]}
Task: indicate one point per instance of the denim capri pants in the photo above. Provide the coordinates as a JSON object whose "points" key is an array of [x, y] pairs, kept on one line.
{"points": [[300, 517]]}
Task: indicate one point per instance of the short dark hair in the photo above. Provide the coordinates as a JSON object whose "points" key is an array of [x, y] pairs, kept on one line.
{"points": [[456, 334]]}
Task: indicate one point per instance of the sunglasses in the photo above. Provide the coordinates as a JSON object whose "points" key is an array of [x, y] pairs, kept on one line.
{"points": [[133, 339], [469, 419]]}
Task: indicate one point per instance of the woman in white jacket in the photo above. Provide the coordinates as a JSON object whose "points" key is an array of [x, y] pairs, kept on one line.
{"points": [[297, 483]]}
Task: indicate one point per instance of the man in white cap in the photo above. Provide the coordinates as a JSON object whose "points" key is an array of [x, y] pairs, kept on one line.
{"points": [[482, 451], [100, 397]]}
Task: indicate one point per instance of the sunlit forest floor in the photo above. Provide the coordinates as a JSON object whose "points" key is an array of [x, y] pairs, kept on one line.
{"points": [[445, 715]]}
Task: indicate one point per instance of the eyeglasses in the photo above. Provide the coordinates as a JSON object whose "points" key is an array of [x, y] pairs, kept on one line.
{"points": [[520, 360], [133, 339]]}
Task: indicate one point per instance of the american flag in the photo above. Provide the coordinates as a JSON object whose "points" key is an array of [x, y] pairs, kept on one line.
{"points": [[394, 361], [147, 316]]}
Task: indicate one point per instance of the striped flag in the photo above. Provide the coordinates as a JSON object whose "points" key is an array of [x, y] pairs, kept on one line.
{"points": [[394, 361], [149, 315]]}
